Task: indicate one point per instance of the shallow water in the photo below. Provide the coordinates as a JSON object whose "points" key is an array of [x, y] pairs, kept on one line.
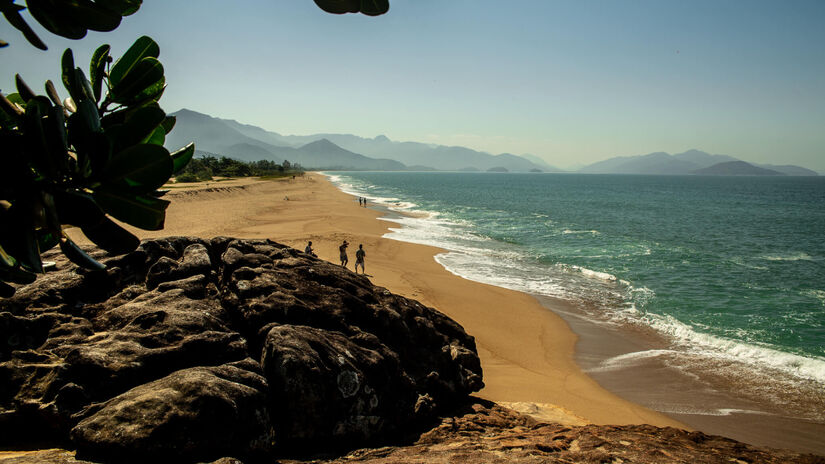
{"points": [[728, 272]]}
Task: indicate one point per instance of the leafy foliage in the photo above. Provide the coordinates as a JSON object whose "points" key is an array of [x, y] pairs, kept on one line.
{"points": [[367, 7], [81, 161], [98, 153], [70, 19], [200, 169]]}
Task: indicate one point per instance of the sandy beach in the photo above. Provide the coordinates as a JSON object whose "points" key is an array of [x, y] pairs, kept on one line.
{"points": [[526, 350]]}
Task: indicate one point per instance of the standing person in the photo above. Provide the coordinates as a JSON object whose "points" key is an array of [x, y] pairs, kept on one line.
{"points": [[359, 259], [359, 201], [343, 250], [365, 202]]}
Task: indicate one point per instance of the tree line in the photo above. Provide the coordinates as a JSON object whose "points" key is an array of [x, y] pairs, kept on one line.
{"points": [[208, 167]]}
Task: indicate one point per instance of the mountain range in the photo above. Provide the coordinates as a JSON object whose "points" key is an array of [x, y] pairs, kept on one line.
{"points": [[334, 151], [690, 162], [245, 142]]}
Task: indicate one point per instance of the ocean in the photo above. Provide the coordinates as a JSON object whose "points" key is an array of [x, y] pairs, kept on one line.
{"points": [[727, 273]]}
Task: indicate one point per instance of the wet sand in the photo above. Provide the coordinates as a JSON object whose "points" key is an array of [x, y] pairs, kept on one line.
{"points": [[639, 368]]}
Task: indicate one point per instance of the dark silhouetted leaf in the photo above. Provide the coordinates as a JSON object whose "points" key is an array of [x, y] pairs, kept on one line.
{"points": [[110, 236], [78, 256], [25, 92], [12, 14], [145, 212], [367, 7], [124, 7], [77, 208], [52, 93], [53, 15]]}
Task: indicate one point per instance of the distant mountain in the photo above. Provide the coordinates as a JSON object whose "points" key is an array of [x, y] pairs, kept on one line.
{"points": [[685, 163], [249, 142], [789, 170], [653, 163], [736, 168], [543, 165], [323, 154]]}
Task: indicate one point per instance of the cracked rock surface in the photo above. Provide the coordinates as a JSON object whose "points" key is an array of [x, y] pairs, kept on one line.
{"points": [[194, 349]]}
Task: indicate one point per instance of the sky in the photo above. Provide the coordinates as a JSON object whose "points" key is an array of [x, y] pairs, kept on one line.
{"points": [[572, 82]]}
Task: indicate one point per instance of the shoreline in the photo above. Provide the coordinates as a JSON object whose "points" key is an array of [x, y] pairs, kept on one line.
{"points": [[526, 350], [530, 354]]}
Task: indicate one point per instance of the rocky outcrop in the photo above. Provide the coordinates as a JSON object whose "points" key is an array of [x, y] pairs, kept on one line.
{"points": [[191, 349], [483, 432]]}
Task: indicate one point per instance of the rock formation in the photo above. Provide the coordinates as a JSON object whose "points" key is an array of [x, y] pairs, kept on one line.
{"points": [[239, 351], [192, 349]]}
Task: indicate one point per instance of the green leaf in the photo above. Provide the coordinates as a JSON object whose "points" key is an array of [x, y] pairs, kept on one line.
{"points": [[6, 260], [139, 126], [182, 157], [169, 123], [144, 167], [87, 110], [158, 137], [110, 236], [12, 14], [46, 240], [78, 256], [25, 92], [9, 108], [142, 48], [144, 76], [147, 213], [97, 69], [70, 76]]}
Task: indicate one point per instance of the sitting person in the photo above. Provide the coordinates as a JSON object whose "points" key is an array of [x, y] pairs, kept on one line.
{"points": [[308, 249]]}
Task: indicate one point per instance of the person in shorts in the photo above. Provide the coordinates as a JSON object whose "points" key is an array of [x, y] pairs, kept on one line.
{"points": [[359, 259]]}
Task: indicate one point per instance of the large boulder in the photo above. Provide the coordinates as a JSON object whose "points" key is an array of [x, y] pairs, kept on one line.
{"points": [[221, 347]]}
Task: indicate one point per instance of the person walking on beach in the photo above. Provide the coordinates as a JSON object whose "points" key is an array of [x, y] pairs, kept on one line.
{"points": [[359, 259], [359, 201], [343, 250], [308, 249]]}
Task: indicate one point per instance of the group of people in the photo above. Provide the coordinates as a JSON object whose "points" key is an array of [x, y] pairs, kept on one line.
{"points": [[360, 254], [362, 202]]}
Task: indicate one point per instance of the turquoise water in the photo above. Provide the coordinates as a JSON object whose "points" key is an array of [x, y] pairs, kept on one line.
{"points": [[732, 268]]}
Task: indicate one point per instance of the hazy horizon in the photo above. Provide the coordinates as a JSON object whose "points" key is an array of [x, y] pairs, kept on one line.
{"points": [[570, 82]]}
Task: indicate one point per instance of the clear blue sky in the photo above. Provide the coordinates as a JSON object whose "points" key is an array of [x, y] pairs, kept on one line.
{"points": [[572, 82]]}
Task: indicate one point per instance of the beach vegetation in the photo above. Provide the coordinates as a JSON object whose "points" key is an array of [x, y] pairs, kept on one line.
{"points": [[82, 160], [96, 154], [207, 167]]}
